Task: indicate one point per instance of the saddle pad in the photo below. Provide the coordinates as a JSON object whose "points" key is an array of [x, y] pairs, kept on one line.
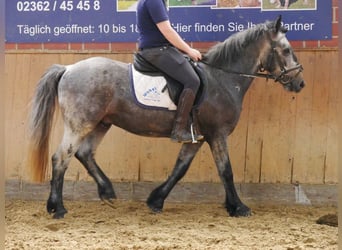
{"points": [[148, 90]]}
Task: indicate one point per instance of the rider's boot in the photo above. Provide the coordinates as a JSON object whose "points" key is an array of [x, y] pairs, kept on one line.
{"points": [[180, 132]]}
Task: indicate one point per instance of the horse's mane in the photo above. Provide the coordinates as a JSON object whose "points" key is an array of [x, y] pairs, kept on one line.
{"points": [[230, 50]]}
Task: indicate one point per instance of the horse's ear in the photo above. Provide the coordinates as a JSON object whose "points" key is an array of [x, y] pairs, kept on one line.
{"points": [[278, 24]]}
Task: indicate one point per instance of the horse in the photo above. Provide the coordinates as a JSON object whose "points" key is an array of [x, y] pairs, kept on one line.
{"points": [[95, 93]]}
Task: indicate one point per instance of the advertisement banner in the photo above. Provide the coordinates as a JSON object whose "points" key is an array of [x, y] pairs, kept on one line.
{"points": [[43, 21]]}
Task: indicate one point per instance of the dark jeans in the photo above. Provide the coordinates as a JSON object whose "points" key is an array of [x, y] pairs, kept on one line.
{"points": [[172, 62]]}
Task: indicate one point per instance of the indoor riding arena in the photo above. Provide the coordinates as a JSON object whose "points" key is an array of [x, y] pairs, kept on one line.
{"points": [[283, 151]]}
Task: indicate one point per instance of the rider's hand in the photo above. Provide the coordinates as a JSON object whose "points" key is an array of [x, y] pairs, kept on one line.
{"points": [[195, 54]]}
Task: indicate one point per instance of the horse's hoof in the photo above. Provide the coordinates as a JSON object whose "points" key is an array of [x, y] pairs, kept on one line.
{"points": [[156, 210], [156, 206], [240, 211], [53, 208], [108, 197], [60, 214], [108, 202], [57, 213], [107, 193]]}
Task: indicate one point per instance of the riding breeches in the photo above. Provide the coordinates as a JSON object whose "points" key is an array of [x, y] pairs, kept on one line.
{"points": [[172, 62]]}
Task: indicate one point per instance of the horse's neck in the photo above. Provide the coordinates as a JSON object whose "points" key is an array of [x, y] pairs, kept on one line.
{"points": [[249, 63], [250, 59]]}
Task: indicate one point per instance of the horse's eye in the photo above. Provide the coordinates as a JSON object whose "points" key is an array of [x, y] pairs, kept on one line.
{"points": [[286, 52]]}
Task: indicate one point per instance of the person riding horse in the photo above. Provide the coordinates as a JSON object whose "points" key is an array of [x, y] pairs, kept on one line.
{"points": [[161, 46]]}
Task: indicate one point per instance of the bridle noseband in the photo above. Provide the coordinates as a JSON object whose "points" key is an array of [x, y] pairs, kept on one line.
{"points": [[283, 77]]}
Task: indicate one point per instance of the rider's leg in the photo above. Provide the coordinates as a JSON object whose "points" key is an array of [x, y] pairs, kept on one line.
{"points": [[173, 63]]}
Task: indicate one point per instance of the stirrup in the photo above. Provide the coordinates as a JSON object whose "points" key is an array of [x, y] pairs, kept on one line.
{"points": [[189, 138], [192, 134], [194, 139]]}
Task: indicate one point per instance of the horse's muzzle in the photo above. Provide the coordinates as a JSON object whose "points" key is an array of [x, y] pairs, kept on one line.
{"points": [[298, 87]]}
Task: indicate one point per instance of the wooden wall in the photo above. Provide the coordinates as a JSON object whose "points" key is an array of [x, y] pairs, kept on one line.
{"points": [[281, 137]]}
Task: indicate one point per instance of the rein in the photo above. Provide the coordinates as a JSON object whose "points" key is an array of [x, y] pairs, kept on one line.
{"points": [[283, 77]]}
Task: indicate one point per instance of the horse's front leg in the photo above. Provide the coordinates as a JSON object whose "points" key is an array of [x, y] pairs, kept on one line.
{"points": [[157, 197], [233, 203]]}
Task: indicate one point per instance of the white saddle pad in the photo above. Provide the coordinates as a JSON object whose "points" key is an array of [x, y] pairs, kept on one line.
{"points": [[149, 91]]}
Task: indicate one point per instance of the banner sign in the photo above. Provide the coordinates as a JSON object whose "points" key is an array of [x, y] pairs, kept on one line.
{"points": [[42, 21]]}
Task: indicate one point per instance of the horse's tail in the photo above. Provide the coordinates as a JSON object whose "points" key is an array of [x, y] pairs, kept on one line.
{"points": [[40, 123]]}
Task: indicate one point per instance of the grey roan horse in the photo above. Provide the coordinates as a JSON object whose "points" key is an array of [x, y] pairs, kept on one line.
{"points": [[95, 93]]}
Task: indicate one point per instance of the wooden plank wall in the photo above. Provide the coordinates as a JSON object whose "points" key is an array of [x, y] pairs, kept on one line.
{"points": [[281, 137]]}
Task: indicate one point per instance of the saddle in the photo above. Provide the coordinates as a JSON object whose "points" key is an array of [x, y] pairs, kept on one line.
{"points": [[173, 86]]}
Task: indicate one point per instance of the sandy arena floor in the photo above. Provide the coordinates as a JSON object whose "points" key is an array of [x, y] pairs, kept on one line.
{"points": [[130, 225]]}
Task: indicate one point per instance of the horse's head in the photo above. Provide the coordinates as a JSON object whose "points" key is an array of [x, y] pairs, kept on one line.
{"points": [[281, 62]]}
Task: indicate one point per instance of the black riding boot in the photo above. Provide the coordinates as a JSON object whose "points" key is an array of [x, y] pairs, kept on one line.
{"points": [[180, 132]]}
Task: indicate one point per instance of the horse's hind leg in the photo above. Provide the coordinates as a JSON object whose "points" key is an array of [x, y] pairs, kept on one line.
{"points": [[85, 155], [60, 162], [233, 204], [157, 197]]}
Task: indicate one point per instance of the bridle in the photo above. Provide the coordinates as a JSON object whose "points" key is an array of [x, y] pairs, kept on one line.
{"points": [[284, 78]]}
